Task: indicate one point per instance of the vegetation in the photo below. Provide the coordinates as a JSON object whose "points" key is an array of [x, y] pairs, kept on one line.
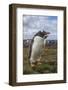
{"points": [[49, 62]]}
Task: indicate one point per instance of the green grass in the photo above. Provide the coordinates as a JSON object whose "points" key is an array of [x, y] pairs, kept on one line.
{"points": [[49, 62]]}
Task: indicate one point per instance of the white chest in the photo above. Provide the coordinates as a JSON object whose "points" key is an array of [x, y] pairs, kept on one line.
{"points": [[38, 45], [38, 42]]}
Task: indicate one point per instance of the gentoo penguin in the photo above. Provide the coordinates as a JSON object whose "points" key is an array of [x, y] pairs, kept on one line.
{"points": [[36, 47]]}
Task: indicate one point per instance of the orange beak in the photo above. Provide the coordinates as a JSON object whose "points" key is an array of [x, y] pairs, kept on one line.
{"points": [[48, 32]]}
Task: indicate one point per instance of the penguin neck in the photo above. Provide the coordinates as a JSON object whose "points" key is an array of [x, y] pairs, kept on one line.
{"points": [[38, 39]]}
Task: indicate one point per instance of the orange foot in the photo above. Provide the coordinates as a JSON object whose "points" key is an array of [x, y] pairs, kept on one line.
{"points": [[33, 65], [39, 63]]}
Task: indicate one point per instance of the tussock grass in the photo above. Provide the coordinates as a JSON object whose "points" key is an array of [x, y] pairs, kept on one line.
{"points": [[49, 62]]}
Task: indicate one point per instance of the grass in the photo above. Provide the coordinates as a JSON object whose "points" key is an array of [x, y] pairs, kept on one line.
{"points": [[49, 62]]}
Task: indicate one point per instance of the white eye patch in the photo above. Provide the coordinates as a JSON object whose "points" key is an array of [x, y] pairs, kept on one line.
{"points": [[45, 36]]}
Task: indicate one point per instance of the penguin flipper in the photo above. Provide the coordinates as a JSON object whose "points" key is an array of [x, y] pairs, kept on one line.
{"points": [[30, 48]]}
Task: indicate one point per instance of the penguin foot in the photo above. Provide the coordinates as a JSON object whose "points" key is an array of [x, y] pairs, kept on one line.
{"points": [[39, 63], [33, 65]]}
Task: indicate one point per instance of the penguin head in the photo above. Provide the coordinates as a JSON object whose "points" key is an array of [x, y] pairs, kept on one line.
{"points": [[43, 34]]}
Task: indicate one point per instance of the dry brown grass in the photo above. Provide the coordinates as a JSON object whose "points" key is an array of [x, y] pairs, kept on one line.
{"points": [[49, 62]]}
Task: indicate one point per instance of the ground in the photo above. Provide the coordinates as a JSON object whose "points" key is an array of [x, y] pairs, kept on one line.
{"points": [[49, 62]]}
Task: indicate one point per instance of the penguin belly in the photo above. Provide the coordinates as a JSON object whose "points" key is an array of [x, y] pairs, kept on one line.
{"points": [[37, 48]]}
